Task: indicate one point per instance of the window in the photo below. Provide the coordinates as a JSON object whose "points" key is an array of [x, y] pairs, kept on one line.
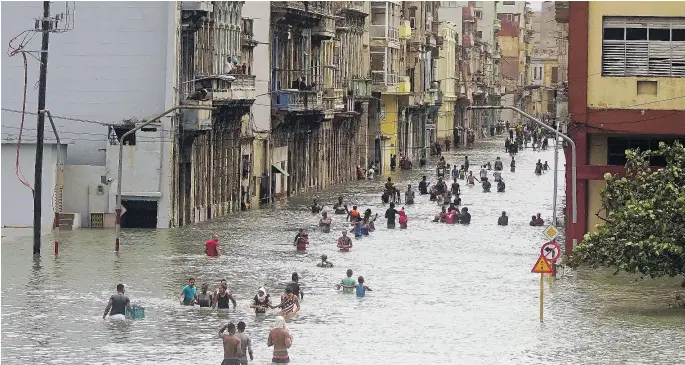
{"points": [[479, 14], [510, 17], [645, 46], [508, 3], [479, 34], [555, 75], [412, 18], [535, 73], [449, 4], [617, 146]]}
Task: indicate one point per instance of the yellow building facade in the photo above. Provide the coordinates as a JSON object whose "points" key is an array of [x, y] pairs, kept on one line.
{"points": [[543, 73], [626, 83], [447, 74]]}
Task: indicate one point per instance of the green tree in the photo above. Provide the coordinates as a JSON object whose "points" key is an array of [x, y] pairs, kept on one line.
{"points": [[644, 228]]}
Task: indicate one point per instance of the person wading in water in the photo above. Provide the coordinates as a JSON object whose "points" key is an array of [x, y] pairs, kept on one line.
{"points": [[281, 340], [261, 302], [212, 246], [347, 283], [390, 215], [232, 348], [203, 298], [324, 262], [245, 343], [118, 303], [344, 242], [325, 223], [409, 195], [423, 186], [290, 304], [223, 296]]}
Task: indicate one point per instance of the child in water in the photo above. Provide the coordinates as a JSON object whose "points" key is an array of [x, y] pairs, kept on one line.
{"points": [[403, 219], [360, 288]]}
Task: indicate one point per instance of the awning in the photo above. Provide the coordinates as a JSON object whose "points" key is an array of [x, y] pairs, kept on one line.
{"points": [[278, 170]]}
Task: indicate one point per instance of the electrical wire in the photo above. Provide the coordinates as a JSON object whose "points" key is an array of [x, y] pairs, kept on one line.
{"points": [[14, 51]]}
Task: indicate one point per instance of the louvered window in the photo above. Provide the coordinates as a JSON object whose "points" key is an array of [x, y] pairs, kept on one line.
{"points": [[643, 46]]}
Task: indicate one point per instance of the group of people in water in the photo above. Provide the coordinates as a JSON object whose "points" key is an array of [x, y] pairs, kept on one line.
{"points": [[237, 345]]}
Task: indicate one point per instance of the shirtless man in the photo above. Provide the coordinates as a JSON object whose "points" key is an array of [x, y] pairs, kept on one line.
{"points": [[232, 349], [281, 339]]}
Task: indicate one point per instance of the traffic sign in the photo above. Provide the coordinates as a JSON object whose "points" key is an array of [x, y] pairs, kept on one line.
{"points": [[551, 251], [541, 266], [551, 232]]}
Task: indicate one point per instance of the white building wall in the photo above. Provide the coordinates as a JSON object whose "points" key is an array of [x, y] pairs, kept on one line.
{"points": [[80, 194], [119, 62], [260, 11], [112, 66], [17, 199]]}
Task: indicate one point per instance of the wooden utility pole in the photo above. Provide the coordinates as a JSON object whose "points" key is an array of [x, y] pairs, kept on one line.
{"points": [[40, 135]]}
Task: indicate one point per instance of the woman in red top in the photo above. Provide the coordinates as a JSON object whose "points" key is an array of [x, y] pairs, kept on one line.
{"points": [[403, 219]]}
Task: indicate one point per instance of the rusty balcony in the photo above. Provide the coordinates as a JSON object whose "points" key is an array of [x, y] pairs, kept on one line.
{"points": [[241, 89], [325, 29], [291, 100]]}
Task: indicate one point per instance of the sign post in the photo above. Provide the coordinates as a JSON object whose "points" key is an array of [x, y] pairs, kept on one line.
{"points": [[551, 251], [542, 267]]}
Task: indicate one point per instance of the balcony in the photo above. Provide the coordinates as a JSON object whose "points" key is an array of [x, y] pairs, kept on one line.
{"points": [[197, 119], [296, 13], [561, 11], [432, 97], [359, 7], [360, 88], [391, 35], [404, 86], [325, 29], [241, 90], [297, 101], [333, 99], [247, 33], [202, 6], [405, 30], [384, 78]]}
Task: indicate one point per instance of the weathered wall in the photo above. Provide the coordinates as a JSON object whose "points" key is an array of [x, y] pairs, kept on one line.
{"points": [[388, 119], [17, 199], [81, 194]]}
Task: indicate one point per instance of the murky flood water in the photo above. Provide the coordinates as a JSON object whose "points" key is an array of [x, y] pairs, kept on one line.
{"points": [[442, 294]]}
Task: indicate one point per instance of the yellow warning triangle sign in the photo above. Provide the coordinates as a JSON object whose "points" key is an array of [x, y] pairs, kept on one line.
{"points": [[541, 266]]}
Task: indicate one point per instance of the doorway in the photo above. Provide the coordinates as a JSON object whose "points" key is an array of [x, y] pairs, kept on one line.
{"points": [[139, 214]]}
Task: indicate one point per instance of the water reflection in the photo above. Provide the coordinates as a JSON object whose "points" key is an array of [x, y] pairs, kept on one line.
{"points": [[465, 294]]}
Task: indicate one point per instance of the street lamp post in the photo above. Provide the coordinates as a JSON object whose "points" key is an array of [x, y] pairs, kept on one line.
{"points": [[121, 154], [556, 132]]}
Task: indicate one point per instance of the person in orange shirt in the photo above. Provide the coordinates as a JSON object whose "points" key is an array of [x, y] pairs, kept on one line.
{"points": [[212, 246], [354, 216]]}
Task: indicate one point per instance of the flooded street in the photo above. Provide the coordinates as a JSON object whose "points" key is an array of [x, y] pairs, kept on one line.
{"points": [[442, 294]]}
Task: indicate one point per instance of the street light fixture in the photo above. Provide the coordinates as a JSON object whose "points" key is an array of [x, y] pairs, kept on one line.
{"points": [[556, 132], [121, 154]]}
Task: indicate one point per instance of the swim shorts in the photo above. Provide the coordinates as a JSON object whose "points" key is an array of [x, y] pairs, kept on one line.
{"points": [[230, 362]]}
